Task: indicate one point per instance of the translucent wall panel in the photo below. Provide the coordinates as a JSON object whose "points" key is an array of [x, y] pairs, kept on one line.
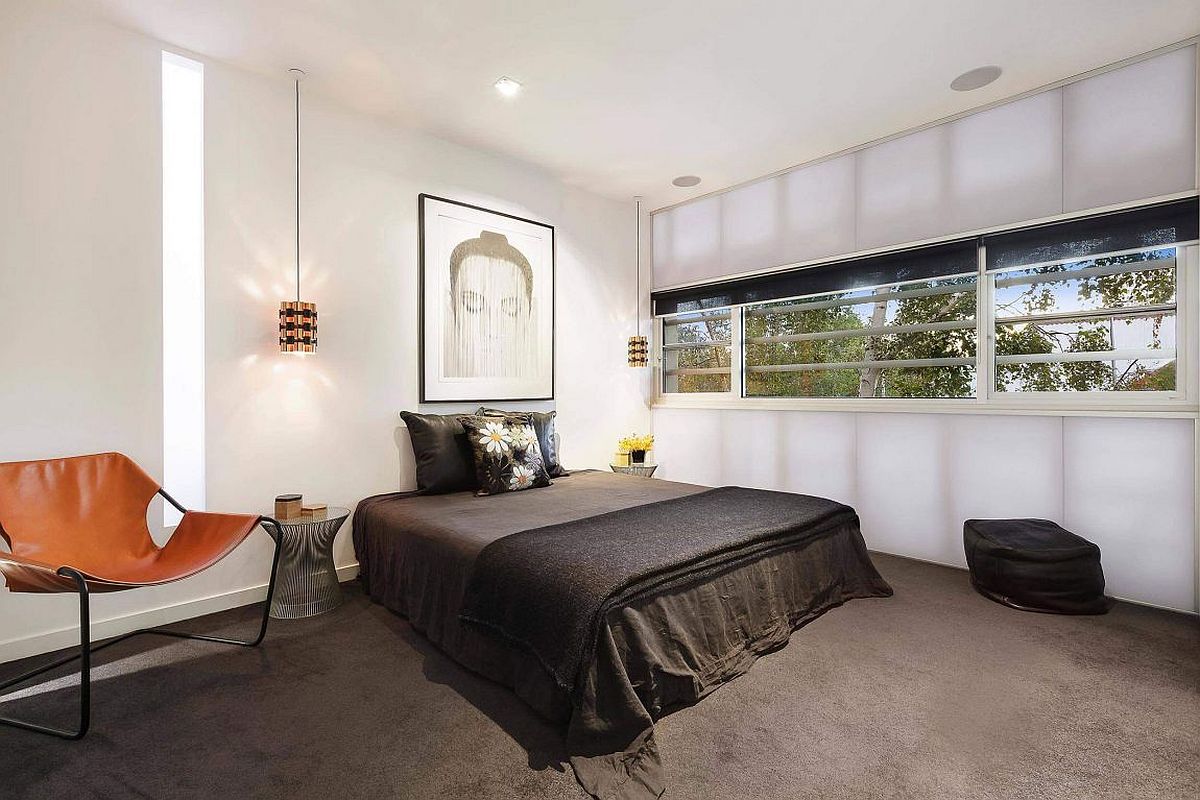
{"points": [[818, 214], [687, 242], [1004, 466], [1006, 163], [1128, 486], [750, 227], [905, 487], [1131, 133], [903, 189]]}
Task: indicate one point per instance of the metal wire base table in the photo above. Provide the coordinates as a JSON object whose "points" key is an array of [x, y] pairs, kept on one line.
{"points": [[307, 582], [641, 470]]}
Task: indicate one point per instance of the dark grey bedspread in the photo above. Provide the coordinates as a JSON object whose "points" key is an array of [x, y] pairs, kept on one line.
{"points": [[550, 588], [656, 651]]}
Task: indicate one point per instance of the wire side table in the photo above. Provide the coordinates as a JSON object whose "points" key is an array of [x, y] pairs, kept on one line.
{"points": [[307, 582], [641, 470]]}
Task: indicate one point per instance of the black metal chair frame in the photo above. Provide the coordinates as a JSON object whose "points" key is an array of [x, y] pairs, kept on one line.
{"points": [[84, 656]]}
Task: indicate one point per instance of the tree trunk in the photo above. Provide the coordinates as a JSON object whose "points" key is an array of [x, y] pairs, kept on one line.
{"points": [[869, 377]]}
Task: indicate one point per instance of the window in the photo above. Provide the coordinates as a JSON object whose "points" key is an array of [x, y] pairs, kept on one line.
{"points": [[1099, 324], [900, 340], [1088, 306], [696, 352], [183, 282]]}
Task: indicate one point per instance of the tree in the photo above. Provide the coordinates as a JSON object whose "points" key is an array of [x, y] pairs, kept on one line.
{"points": [[1145, 287]]}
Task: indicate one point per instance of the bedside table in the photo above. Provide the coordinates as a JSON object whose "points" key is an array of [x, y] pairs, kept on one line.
{"points": [[307, 583], [641, 470]]}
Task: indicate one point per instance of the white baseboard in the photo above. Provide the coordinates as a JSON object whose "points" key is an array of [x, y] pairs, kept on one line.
{"points": [[60, 638]]}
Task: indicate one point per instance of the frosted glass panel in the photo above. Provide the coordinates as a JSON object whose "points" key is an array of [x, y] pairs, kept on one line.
{"points": [[662, 232], [1006, 163], [903, 189], [1131, 133], [904, 487], [1128, 486], [750, 226], [818, 206], [690, 248], [1005, 466], [689, 447]]}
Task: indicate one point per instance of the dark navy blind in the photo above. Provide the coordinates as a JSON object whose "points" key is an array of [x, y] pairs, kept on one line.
{"points": [[1153, 226], [923, 263]]}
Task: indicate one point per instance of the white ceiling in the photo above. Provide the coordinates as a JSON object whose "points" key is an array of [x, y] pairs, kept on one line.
{"points": [[623, 95]]}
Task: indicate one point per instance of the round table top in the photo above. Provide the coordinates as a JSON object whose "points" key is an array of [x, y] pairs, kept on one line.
{"points": [[332, 514]]}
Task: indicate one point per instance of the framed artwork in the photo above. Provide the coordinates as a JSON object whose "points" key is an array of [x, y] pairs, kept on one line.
{"points": [[487, 304]]}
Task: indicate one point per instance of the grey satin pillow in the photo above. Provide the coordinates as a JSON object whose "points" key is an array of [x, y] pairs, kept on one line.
{"points": [[543, 424], [444, 459]]}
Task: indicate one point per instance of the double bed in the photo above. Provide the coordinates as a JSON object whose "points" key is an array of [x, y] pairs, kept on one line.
{"points": [[605, 600]]}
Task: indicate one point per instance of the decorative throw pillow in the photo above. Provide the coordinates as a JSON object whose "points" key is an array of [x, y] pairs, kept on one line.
{"points": [[445, 462], [543, 423], [507, 456]]}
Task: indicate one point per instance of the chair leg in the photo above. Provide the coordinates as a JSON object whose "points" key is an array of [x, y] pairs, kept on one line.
{"points": [[266, 613], [86, 649], [85, 671]]}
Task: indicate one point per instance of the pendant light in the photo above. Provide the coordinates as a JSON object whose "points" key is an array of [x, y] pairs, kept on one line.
{"points": [[639, 350], [297, 319]]}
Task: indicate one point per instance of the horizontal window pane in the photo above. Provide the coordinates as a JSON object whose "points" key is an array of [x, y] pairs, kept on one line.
{"points": [[907, 340], [1139, 375], [1051, 320], [696, 353]]}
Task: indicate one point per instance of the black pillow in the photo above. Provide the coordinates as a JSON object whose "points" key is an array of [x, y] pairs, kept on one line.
{"points": [[444, 459], [543, 425]]}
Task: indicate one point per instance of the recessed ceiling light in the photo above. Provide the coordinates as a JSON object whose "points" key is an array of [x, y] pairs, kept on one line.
{"points": [[975, 79], [686, 181], [508, 87]]}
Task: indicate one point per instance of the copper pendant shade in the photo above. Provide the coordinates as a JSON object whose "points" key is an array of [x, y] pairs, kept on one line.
{"points": [[297, 327], [639, 349], [297, 319]]}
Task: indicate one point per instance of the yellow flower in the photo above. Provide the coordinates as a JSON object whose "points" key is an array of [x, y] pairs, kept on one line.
{"points": [[636, 442]]}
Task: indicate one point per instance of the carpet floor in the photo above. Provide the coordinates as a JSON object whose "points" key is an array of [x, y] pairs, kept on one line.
{"points": [[934, 693]]}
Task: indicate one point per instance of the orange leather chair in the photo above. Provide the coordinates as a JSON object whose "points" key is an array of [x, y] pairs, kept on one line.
{"points": [[79, 525]]}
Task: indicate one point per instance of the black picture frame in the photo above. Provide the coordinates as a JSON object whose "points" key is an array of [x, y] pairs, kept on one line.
{"points": [[423, 314]]}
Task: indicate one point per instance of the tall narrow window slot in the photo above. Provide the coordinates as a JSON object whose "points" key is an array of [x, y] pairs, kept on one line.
{"points": [[183, 281]]}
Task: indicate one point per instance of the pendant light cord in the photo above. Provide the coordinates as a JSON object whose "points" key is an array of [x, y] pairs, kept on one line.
{"points": [[297, 190], [637, 280]]}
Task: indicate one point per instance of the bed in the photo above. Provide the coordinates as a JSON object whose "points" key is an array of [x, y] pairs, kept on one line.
{"points": [[605, 600]]}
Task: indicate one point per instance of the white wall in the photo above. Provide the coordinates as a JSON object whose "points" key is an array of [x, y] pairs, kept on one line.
{"points": [[1126, 484], [80, 251]]}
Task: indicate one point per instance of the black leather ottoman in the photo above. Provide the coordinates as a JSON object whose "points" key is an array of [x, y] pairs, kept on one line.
{"points": [[1034, 565]]}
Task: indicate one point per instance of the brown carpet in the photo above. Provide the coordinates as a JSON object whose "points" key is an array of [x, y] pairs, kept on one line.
{"points": [[935, 693]]}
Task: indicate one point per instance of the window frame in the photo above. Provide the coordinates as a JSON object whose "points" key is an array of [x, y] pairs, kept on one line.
{"points": [[1182, 402]]}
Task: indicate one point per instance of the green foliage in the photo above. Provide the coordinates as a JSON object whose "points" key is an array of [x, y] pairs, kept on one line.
{"points": [[941, 381], [1050, 292], [1146, 287]]}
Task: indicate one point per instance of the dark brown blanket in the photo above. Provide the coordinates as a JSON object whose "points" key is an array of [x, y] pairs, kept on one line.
{"points": [[548, 589]]}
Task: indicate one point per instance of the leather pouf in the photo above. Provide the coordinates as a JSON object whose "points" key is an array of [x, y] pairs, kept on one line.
{"points": [[1035, 565]]}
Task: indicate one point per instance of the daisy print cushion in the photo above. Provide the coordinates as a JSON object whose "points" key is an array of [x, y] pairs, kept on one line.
{"points": [[507, 455]]}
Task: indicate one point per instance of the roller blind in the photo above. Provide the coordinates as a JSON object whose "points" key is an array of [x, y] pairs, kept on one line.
{"points": [[1121, 136], [937, 261], [1154, 226]]}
